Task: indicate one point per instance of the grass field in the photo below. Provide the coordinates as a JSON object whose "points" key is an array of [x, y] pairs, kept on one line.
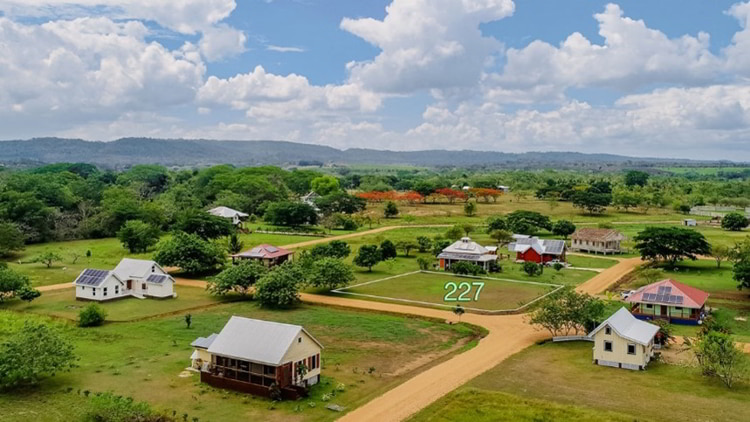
{"points": [[430, 289], [471, 404], [563, 373], [368, 353], [590, 261], [105, 254], [62, 304]]}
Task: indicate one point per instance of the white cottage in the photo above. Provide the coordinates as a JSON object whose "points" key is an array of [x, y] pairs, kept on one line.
{"points": [[623, 341], [132, 277], [237, 217]]}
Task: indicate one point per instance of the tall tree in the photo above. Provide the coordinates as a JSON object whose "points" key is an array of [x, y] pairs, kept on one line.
{"points": [[203, 224], [734, 221], [563, 228], [330, 273], [34, 352], [190, 253], [324, 185], [11, 238], [636, 178], [279, 288], [368, 256], [138, 236], [238, 278], [292, 214], [671, 244]]}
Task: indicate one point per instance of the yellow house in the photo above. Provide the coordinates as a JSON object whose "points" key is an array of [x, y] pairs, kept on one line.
{"points": [[252, 355], [623, 341]]}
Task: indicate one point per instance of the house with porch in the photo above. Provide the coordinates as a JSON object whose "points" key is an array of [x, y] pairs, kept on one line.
{"points": [[466, 250], [623, 341], [669, 300], [237, 217], [267, 255], [540, 251], [130, 278], [250, 355], [598, 241]]}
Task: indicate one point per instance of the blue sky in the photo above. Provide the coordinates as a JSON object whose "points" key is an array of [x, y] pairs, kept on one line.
{"points": [[666, 78]]}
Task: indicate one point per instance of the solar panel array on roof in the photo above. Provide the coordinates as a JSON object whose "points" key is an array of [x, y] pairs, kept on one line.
{"points": [[272, 249], [665, 290], [156, 278], [663, 298], [554, 246], [91, 277]]}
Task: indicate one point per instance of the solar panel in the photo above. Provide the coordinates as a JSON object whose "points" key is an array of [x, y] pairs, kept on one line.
{"points": [[663, 290], [91, 277], [156, 278], [272, 249]]}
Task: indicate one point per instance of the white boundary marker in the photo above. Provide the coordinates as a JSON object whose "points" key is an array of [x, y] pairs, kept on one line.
{"points": [[343, 291]]}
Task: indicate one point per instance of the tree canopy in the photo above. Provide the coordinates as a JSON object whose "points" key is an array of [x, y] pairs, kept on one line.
{"points": [[527, 222], [671, 244], [138, 236], [279, 288], [238, 278], [190, 253]]}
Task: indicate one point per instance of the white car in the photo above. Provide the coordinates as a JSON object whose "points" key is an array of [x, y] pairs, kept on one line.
{"points": [[626, 294]]}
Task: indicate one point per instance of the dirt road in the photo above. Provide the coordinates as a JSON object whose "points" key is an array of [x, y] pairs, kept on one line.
{"points": [[608, 277], [358, 234]]}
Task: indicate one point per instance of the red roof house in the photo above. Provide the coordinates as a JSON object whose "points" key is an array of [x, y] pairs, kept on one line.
{"points": [[267, 254], [671, 300]]}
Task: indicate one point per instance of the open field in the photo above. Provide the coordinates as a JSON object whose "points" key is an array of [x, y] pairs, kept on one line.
{"points": [[62, 304], [563, 374], [430, 289], [593, 261], [105, 254], [475, 405], [143, 359], [445, 213]]}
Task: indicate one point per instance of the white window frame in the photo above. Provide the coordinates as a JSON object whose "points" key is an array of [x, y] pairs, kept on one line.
{"points": [[635, 351]]}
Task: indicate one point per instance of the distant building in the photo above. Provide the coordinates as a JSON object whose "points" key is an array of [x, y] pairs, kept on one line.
{"points": [[670, 300], [503, 188], [533, 249], [237, 217], [131, 277], [689, 222], [468, 251], [604, 241], [623, 341], [249, 355], [268, 255]]}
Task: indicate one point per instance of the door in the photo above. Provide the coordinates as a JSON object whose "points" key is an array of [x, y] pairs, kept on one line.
{"points": [[130, 284], [663, 310]]}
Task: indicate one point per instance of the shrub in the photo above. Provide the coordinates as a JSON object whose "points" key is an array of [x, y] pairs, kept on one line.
{"points": [[532, 269], [467, 268], [424, 263], [92, 316], [107, 407], [33, 353], [734, 221]]}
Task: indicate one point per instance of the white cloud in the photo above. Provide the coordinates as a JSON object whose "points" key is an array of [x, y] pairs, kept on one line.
{"points": [[221, 41], [282, 49], [426, 44], [633, 55]]}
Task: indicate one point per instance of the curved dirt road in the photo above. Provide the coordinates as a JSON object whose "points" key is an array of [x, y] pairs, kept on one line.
{"points": [[358, 234], [608, 277]]}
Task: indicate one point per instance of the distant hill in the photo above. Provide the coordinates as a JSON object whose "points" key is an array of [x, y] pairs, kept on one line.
{"points": [[172, 152]]}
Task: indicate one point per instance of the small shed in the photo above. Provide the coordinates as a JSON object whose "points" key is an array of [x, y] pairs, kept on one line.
{"points": [[268, 255], [690, 222]]}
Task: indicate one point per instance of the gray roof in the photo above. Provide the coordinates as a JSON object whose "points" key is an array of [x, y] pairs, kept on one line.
{"points": [[204, 342], [465, 246], [467, 257], [629, 327], [541, 246], [227, 212], [256, 340]]}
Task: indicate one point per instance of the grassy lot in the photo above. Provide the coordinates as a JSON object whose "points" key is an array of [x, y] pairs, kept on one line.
{"points": [[105, 254], [471, 404], [368, 353], [444, 213], [431, 288], [563, 373], [590, 261], [714, 235], [62, 304]]}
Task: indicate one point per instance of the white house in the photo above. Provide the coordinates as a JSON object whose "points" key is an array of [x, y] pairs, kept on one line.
{"points": [[690, 222], [468, 251], [225, 212], [249, 355], [624, 341], [132, 277]]}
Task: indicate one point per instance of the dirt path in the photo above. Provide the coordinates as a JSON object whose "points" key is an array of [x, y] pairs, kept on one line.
{"points": [[608, 277]]}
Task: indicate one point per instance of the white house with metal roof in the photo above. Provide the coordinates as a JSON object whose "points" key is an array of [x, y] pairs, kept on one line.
{"points": [[225, 212], [467, 250], [250, 354], [131, 277], [624, 341]]}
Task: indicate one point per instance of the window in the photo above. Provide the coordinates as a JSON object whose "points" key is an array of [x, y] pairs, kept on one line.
{"points": [[269, 370], [83, 288], [679, 308], [607, 346], [649, 306], [104, 292], [631, 349], [608, 331], [299, 340], [117, 290], [94, 291], [143, 286]]}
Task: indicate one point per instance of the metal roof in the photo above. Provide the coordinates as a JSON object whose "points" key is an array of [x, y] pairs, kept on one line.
{"points": [[597, 234], [629, 327], [466, 246], [227, 212], [671, 293], [256, 340], [92, 277], [541, 246], [204, 342], [136, 268], [264, 251]]}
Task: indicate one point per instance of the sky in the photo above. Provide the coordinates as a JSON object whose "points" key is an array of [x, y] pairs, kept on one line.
{"points": [[657, 79]]}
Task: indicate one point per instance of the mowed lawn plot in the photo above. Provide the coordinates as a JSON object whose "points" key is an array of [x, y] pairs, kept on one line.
{"points": [[563, 374], [447, 290], [63, 304], [365, 354]]}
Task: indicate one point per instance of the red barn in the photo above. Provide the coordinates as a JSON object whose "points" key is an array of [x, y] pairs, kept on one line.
{"points": [[541, 251]]}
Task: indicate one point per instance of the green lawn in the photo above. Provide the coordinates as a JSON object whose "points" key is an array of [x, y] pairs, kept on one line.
{"points": [[368, 353], [471, 404], [62, 304], [105, 254], [431, 289], [564, 374], [590, 261]]}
